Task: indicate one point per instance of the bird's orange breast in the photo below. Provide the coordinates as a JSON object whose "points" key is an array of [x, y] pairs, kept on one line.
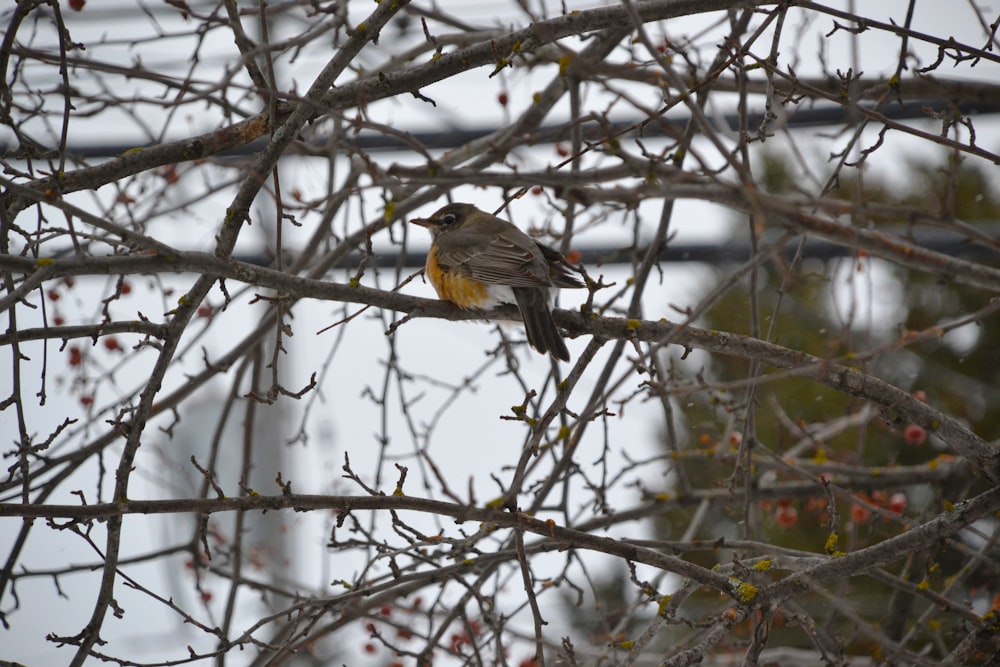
{"points": [[461, 290]]}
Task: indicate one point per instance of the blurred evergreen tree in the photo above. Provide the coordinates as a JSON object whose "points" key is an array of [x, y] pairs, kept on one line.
{"points": [[815, 309]]}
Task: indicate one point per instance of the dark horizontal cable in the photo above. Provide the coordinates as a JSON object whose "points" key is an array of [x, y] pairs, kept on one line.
{"points": [[665, 126], [707, 253]]}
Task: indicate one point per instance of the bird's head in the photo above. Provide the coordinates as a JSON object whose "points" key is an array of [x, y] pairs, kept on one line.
{"points": [[450, 217]]}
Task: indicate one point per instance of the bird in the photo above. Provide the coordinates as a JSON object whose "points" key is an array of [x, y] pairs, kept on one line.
{"points": [[477, 260]]}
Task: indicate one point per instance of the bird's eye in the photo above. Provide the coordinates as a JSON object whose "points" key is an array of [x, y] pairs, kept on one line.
{"points": [[449, 219]]}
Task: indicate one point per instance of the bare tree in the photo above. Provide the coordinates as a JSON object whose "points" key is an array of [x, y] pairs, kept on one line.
{"points": [[788, 460]]}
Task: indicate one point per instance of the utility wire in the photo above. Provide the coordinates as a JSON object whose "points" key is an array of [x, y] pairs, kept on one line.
{"points": [[667, 126]]}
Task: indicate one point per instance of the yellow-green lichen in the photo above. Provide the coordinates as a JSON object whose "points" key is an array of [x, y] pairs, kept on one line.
{"points": [[745, 592]]}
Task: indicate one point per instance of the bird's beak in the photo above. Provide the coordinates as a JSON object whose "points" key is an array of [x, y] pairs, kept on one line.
{"points": [[423, 222]]}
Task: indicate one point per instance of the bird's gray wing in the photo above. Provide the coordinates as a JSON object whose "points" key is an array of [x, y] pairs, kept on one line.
{"points": [[495, 259]]}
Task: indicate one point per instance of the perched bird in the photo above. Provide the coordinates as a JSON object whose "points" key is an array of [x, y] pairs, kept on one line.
{"points": [[477, 260]]}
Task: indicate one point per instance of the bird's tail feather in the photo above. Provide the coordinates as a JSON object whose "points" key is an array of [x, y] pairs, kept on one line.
{"points": [[533, 302]]}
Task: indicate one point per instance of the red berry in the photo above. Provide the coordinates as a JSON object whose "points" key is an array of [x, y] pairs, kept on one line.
{"points": [[914, 434], [53, 295], [86, 401], [111, 343], [369, 648], [816, 504], [897, 503], [502, 98], [537, 190], [860, 514], [58, 320], [126, 287], [786, 516], [561, 150], [77, 5], [75, 356]]}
